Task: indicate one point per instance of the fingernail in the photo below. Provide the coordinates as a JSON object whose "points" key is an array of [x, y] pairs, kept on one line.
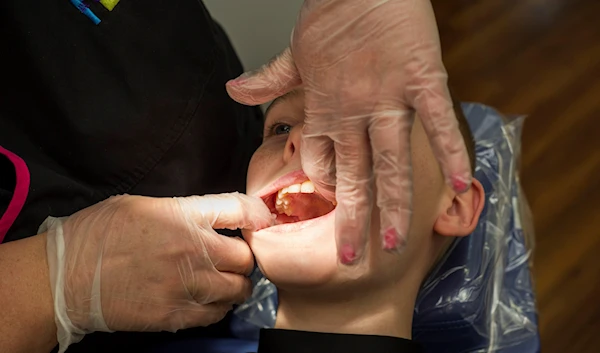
{"points": [[236, 82], [347, 255], [390, 239], [240, 80], [271, 222], [459, 184], [262, 224]]}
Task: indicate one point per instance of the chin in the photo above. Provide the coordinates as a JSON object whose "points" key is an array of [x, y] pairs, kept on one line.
{"points": [[299, 255]]}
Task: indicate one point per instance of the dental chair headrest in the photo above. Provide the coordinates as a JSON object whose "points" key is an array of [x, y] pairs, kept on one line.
{"points": [[481, 297]]}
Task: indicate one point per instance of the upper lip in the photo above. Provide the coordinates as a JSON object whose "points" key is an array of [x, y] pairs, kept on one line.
{"points": [[295, 177]]}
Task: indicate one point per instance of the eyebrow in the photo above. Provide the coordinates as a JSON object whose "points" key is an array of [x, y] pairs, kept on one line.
{"points": [[280, 100]]}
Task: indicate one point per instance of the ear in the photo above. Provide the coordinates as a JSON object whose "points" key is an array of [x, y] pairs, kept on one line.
{"points": [[460, 213]]}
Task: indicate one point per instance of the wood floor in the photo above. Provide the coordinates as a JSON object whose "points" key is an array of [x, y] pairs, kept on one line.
{"points": [[542, 58]]}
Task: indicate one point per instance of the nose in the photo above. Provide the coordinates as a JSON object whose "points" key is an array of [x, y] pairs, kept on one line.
{"points": [[292, 145]]}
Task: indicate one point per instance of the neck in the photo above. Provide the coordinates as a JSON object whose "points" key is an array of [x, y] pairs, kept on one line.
{"points": [[385, 313]]}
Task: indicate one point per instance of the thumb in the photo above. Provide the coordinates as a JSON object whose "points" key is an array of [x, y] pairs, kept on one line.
{"points": [[273, 80], [227, 211]]}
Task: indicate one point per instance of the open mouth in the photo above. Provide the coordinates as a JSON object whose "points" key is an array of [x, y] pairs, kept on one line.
{"points": [[297, 203]]}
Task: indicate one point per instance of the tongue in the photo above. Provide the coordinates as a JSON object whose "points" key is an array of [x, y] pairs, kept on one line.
{"points": [[308, 206]]}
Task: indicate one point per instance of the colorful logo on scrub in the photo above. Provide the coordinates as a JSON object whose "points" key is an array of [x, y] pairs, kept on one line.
{"points": [[109, 4], [84, 8]]}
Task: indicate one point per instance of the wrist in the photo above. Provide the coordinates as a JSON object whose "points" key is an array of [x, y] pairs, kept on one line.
{"points": [[67, 317], [25, 296]]}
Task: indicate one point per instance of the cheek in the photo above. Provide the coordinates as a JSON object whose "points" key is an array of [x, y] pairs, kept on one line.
{"points": [[263, 166], [253, 173], [296, 263], [428, 187], [428, 183], [426, 192]]}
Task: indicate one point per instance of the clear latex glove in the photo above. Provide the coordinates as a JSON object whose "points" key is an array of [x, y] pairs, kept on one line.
{"points": [[366, 66], [135, 263]]}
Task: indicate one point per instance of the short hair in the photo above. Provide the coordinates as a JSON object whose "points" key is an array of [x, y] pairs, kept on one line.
{"points": [[465, 131]]}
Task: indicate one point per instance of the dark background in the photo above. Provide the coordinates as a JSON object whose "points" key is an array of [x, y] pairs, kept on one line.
{"points": [[541, 58]]}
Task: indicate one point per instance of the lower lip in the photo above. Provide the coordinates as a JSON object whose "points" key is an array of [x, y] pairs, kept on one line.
{"points": [[298, 226]]}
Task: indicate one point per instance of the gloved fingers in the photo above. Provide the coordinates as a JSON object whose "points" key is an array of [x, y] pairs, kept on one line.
{"points": [[434, 106], [227, 211], [389, 133], [318, 162], [224, 288], [232, 254], [353, 194], [267, 83]]}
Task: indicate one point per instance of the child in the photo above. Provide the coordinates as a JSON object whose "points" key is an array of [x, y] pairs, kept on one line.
{"points": [[326, 307]]}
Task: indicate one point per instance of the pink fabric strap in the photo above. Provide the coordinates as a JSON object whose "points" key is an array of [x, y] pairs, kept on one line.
{"points": [[20, 194]]}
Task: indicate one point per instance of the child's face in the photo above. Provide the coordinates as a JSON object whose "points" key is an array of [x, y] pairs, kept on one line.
{"points": [[302, 255]]}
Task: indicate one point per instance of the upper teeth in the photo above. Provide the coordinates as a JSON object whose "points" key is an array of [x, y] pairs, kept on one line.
{"points": [[306, 187], [282, 204]]}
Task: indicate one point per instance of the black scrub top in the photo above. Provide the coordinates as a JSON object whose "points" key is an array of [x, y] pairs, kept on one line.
{"points": [[136, 104], [288, 341]]}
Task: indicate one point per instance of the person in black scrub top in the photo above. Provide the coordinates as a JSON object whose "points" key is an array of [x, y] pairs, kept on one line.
{"points": [[327, 308], [99, 100]]}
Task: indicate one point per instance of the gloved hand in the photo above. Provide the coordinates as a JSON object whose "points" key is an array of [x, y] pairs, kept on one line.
{"points": [[135, 263], [365, 66]]}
